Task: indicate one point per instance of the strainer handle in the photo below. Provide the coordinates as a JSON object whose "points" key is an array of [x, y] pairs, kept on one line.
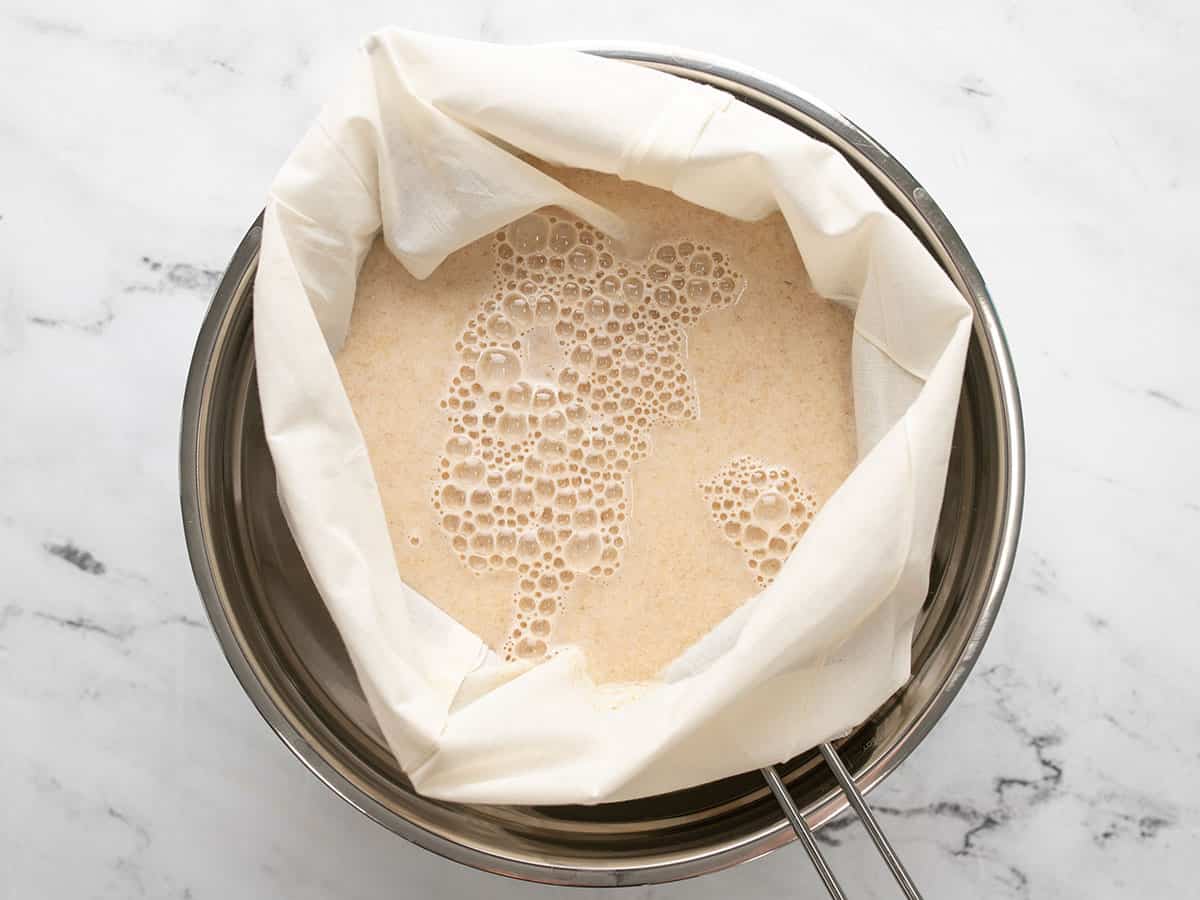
{"points": [[859, 805]]}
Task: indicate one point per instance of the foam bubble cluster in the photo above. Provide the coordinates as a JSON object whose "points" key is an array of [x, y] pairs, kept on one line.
{"points": [[761, 509], [570, 361]]}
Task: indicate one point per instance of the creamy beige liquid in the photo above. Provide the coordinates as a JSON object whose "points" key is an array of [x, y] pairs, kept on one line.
{"points": [[577, 448]]}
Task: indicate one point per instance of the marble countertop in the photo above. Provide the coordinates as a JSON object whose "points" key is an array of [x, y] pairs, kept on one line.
{"points": [[137, 141]]}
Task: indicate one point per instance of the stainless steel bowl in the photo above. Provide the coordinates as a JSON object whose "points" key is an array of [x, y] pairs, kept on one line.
{"points": [[285, 651]]}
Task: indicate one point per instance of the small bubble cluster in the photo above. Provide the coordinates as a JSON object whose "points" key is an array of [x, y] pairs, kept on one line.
{"points": [[568, 363], [762, 510]]}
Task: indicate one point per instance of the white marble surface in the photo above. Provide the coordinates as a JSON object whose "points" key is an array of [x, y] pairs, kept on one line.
{"points": [[136, 141]]}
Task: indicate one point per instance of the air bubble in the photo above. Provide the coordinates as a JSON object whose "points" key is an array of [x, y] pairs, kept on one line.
{"points": [[583, 550], [517, 309], [530, 649], [506, 540], [754, 536], [562, 237], [528, 546], [658, 273], [581, 356], [546, 310], [597, 308], [581, 259], [499, 327], [530, 233], [610, 286], [498, 368], [551, 449], [772, 508], [469, 471], [513, 426]]}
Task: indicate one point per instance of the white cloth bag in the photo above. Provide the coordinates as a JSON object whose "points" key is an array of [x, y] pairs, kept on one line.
{"points": [[420, 143]]}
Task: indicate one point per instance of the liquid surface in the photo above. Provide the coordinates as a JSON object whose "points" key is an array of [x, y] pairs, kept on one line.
{"points": [[576, 447]]}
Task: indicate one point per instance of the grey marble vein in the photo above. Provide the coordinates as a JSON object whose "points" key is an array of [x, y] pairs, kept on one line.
{"points": [[175, 276], [82, 624], [80, 559]]}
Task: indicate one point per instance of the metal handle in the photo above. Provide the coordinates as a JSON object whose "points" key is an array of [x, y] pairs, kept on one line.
{"points": [[859, 805]]}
